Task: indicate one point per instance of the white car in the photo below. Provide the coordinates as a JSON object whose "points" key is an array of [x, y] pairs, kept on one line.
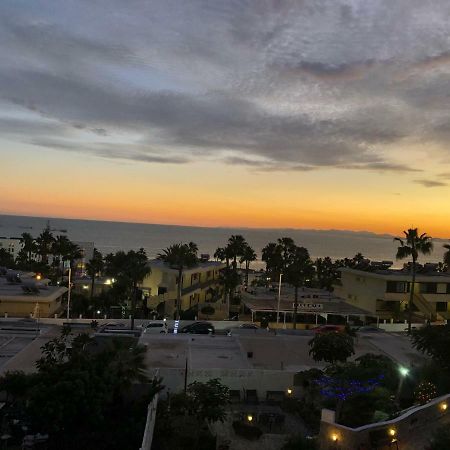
{"points": [[155, 327]]}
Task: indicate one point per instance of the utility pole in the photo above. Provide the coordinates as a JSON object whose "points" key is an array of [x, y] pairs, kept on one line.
{"points": [[68, 293], [279, 298]]}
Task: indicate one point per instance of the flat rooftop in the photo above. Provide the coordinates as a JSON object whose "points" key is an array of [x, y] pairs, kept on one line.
{"points": [[268, 351], [311, 301], [15, 292]]}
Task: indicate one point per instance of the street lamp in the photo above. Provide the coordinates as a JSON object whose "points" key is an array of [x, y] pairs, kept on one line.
{"points": [[279, 298], [404, 371]]}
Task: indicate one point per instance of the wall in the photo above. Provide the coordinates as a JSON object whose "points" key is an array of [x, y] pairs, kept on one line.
{"points": [[408, 427], [236, 379]]}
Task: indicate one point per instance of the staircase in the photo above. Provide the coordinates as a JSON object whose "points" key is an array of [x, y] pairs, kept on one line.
{"points": [[425, 307]]}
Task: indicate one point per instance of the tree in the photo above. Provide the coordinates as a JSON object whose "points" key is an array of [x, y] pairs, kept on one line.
{"points": [[331, 347], [180, 257], [93, 267], [208, 310], [248, 256], [434, 341], [29, 248], [236, 247], [44, 244], [207, 401], [6, 259], [129, 269], [299, 268], [327, 274], [411, 246], [446, 259]]}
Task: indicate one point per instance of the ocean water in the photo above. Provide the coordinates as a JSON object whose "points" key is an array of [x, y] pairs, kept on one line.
{"points": [[113, 236]]}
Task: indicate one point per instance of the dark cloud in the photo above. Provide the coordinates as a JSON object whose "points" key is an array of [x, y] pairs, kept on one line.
{"points": [[430, 183], [281, 86]]}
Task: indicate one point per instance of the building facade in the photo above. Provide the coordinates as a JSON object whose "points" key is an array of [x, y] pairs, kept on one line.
{"points": [[386, 293], [200, 287]]}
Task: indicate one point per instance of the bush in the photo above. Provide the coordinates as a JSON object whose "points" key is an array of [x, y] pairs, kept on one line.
{"points": [[300, 443], [246, 431]]}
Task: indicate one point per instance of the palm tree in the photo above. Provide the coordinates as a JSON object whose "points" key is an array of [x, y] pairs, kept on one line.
{"points": [[180, 257], [44, 243], [61, 247], [235, 247], [447, 257], [28, 247], [93, 267], [299, 269], [248, 256], [411, 246]]}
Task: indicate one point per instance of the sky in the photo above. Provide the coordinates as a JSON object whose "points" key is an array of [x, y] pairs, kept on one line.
{"points": [[327, 114]]}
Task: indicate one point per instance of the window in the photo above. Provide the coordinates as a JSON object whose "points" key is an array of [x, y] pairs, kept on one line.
{"points": [[441, 306], [162, 290], [428, 288], [397, 287]]}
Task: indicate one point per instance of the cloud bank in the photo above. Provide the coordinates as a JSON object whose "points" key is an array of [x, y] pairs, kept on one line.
{"points": [[270, 85]]}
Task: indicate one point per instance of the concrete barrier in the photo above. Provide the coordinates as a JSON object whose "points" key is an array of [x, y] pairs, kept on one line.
{"points": [[408, 427]]}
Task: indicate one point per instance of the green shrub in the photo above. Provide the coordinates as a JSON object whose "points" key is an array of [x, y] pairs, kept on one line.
{"points": [[247, 431]]}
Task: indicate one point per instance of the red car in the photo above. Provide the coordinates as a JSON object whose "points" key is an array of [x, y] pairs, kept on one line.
{"points": [[323, 329]]}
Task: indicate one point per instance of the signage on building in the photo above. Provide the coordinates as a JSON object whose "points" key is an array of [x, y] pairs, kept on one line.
{"points": [[309, 306]]}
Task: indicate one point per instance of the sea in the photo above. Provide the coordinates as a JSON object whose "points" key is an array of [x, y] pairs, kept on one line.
{"points": [[113, 236]]}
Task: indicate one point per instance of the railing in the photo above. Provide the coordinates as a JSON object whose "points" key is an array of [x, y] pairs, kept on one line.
{"points": [[150, 423]]}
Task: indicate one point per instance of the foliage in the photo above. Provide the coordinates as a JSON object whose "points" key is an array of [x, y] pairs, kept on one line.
{"points": [[208, 310], [207, 401], [424, 392], [94, 267], [441, 439], [6, 259], [434, 341], [331, 347], [182, 419], [247, 431], [129, 269], [327, 273], [300, 442], [411, 246], [80, 393], [180, 257]]}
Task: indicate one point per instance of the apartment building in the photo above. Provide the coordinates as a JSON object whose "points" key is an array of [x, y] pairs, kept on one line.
{"points": [[385, 293], [200, 287]]}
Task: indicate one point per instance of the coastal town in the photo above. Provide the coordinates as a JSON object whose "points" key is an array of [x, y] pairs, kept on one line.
{"points": [[285, 345]]}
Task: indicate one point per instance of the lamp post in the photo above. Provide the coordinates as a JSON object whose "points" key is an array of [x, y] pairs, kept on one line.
{"points": [[404, 371], [68, 293], [279, 298]]}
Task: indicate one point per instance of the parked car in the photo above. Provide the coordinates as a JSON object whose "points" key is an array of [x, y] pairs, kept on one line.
{"points": [[323, 329], [198, 328], [155, 327], [370, 329], [249, 326]]}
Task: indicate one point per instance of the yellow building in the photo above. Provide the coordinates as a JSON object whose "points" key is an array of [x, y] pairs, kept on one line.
{"points": [[24, 296], [200, 287], [385, 293]]}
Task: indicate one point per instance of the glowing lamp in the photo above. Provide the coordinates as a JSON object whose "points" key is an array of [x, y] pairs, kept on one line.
{"points": [[403, 371], [38, 276], [392, 432], [289, 391], [443, 406], [334, 437], [249, 417]]}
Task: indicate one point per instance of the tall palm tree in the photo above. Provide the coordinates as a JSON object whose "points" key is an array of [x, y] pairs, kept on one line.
{"points": [[93, 267], [447, 257], [248, 256], [235, 247], [28, 247], [299, 269], [180, 257], [44, 243], [61, 247], [412, 245]]}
